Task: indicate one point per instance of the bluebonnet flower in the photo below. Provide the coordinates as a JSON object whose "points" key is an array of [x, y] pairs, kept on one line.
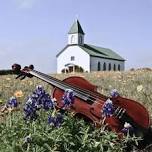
{"points": [[114, 93], [59, 120], [39, 99], [39, 90], [12, 102], [107, 109], [55, 121], [68, 98], [51, 120], [127, 128], [47, 102], [30, 110]]}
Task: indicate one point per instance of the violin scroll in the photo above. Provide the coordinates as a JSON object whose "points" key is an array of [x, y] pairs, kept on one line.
{"points": [[22, 73], [16, 68]]}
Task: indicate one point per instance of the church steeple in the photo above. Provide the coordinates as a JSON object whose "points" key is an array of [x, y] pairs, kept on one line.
{"points": [[76, 34]]}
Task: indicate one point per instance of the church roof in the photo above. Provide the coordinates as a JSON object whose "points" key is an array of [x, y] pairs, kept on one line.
{"points": [[76, 28], [97, 52], [101, 52]]}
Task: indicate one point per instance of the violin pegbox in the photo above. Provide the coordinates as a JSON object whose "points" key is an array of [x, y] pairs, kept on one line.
{"points": [[22, 73]]}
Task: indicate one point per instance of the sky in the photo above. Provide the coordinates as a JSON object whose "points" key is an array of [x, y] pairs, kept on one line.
{"points": [[34, 31]]}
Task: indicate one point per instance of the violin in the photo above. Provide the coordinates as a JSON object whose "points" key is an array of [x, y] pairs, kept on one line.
{"points": [[88, 103]]}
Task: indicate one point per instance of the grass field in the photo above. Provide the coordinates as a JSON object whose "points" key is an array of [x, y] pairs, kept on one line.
{"points": [[136, 85]]}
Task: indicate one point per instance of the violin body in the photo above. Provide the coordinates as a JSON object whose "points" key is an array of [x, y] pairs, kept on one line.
{"points": [[79, 107], [93, 113]]}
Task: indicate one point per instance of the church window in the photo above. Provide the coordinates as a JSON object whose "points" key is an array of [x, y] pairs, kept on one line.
{"points": [[104, 66], [72, 39], [114, 67], [109, 66], [118, 67], [72, 58], [99, 66]]}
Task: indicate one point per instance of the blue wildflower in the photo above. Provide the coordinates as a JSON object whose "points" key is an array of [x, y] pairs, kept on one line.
{"points": [[55, 121], [108, 108], [127, 128], [12, 102], [39, 99], [39, 90], [47, 102], [30, 110], [68, 98], [59, 120], [114, 93], [51, 120]]}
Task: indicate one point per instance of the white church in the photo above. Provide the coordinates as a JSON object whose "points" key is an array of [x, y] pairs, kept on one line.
{"points": [[78, 56]]}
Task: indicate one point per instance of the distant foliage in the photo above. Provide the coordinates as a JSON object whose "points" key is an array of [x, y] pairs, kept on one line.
{"points": [[6, 72]]}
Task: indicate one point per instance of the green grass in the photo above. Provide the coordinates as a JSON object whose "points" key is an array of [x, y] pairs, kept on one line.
{"points": [[74, 134]]}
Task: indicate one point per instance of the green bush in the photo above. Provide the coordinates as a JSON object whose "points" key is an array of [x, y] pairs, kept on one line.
{"points": [[6, 72]]}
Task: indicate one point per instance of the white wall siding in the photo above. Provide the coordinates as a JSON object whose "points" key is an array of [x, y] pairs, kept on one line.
{"points": [[95, 60], [81, 58]]}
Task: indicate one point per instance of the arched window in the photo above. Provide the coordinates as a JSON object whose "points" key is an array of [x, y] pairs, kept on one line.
{"points": [[104, 66], [99, 66], [118, 67], [109, 67], [72, 39], [114, 67]]}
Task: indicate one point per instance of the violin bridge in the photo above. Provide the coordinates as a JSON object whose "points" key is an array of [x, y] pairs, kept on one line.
{"points": [[119, 112]]}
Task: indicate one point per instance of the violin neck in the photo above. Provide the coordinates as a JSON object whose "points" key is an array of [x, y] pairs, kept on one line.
{"points": [[53, 81], [80, 93]]}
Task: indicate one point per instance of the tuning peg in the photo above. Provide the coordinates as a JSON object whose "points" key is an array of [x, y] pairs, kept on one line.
{"points": [[25, 68], [22, 77], [31, 67], [22, 73], [16, 68]]}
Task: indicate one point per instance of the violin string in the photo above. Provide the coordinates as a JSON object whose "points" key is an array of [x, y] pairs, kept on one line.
{"points": [[57, 81], [56, 84], [59, 84], [65, 85], [73, 87]]}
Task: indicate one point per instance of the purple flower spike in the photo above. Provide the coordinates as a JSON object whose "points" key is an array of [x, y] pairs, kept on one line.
{"points": [[114, 93], [39, 99], [12, 102], [108, 108], [59, 120], [40, 90], [127, 128], [68, 98], [30, 110], [55, 121], [51, 120], [47, 102]]}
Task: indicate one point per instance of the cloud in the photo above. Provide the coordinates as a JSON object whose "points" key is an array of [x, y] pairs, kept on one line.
{"points": [[25, 4]]}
